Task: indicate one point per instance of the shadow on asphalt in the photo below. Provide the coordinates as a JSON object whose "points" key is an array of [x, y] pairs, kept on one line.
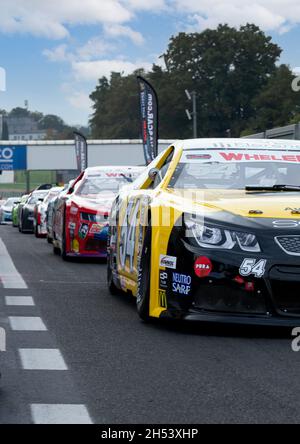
{"points": [[205, 328], [86, 260]]}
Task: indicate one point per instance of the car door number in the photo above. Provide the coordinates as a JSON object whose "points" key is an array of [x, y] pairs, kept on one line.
{"points": [[128, 235]]}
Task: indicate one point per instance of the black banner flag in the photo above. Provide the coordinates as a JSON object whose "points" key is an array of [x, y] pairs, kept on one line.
{"points": [[81, 149], [149, 119]]}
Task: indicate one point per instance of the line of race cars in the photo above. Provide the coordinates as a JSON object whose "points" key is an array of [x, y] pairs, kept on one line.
{"points": [[209, 231]]}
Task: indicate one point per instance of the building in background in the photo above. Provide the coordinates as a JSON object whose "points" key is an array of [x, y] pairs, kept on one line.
{"points": [[24, 128]]}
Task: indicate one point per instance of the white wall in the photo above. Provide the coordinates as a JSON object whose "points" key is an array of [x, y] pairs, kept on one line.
{"points": [[60, 155], [7, 177]]}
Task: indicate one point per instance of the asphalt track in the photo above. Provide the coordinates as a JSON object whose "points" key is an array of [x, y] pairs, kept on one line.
{"points": [[103, 365]]}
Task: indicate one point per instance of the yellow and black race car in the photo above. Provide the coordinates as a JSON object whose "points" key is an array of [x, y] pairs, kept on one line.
{"points": [[211, 231]]}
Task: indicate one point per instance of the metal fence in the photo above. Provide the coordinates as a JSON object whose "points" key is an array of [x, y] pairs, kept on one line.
{"points": [[289, 132], [4, 194]]}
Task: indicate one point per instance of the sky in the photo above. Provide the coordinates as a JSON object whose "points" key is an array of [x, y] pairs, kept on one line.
{"points": [[54, 51]]}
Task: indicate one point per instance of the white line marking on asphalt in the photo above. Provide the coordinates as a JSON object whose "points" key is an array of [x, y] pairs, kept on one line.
{"points": [[9, 275], [27, 323], [42, 359], [60, 414], [19, 300]]}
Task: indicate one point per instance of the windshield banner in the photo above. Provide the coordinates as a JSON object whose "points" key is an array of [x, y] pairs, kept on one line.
{"points": [[232, 156]]}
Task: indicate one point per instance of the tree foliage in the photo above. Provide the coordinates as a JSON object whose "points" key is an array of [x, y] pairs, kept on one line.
{"points": [[56, 128], [234, 73]]}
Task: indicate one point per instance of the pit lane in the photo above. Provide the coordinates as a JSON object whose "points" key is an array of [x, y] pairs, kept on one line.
{"points": [[119, 370]]}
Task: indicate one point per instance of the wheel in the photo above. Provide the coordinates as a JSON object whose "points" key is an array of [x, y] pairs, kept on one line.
{"points": [[144, 274], [113, 289], [56, 250], [63, 243], [21, 225]]}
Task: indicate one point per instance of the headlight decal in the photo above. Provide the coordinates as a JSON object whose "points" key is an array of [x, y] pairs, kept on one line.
{"points": [[210, 236]]}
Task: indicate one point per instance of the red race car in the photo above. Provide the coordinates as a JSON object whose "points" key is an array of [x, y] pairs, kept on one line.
{"points": [[80, 221]]}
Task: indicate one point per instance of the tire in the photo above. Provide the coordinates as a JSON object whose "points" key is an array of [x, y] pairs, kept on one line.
{"points": [[56, 250], [21, 225], [63, 243], [144, 274], [113, 289], [49, 240]]}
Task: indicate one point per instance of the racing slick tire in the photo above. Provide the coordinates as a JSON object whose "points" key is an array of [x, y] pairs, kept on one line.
{"points": [[113, 289], [21, 224], [56, 250], [144, 274], [63, 243]]}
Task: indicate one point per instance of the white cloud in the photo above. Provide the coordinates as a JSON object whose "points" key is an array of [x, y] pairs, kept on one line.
{"points": [[80, 100], [124, 31], [95, 47], [276, 15], [142, 5], [51, 18], [92, 71], [57, 54]]}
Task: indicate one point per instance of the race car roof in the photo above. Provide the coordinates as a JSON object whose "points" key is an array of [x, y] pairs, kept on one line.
{"points": [[240, 144], [116, 169]]}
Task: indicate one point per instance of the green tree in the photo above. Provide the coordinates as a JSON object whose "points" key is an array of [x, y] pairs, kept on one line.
{"points": [[51, 121], [5, 135], [227, 68], [277, 104], [19, 112], [116, 109]]}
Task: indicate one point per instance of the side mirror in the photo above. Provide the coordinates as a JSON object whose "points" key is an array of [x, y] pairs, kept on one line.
{"points": [[153, 172]]}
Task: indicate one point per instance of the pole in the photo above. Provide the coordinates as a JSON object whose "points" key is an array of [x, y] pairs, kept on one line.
{"points": [[27, 181], [194, 97]]}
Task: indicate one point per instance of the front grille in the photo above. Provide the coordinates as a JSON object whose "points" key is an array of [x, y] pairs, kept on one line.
{"points": [[289, 244], [95, 245], [229, 298], [286, 296]]}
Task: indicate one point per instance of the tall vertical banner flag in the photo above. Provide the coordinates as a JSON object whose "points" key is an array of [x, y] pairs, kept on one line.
{"points": [[149, 119], [81, 149]]}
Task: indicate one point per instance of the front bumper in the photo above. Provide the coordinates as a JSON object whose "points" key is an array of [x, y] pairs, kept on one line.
{"points": [[89, 243], [28, 223], [225, 295], [6, 218]]}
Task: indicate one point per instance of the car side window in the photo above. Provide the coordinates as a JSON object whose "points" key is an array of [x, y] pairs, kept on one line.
{"points": [[163, 170]]}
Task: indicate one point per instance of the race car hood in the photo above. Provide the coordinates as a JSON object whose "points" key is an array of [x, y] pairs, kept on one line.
{"points": [[102, 202], [238, 202]]}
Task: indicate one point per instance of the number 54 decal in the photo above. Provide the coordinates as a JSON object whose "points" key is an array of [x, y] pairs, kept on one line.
{"points": [[252, 266]]}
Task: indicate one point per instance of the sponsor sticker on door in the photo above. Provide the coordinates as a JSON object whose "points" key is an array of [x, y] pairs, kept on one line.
{"points": [[168, 261]]}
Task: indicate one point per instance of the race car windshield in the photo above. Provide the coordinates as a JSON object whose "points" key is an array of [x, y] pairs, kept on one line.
{"points": [[35, 199], [217, 174], [50, 196], [97, 185], [10, 203]]}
